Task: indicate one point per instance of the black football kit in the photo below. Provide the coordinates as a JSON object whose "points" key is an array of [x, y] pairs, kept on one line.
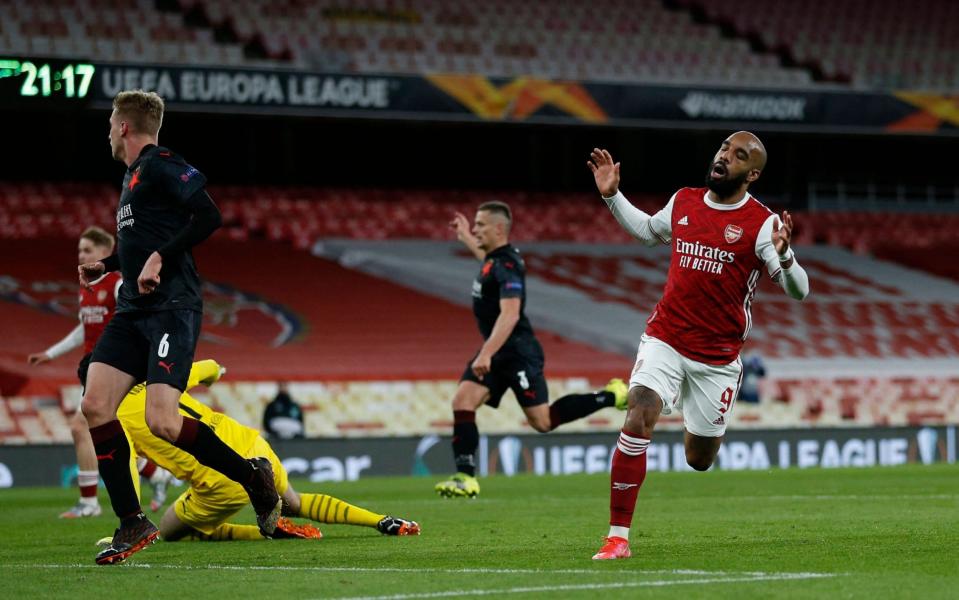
{"points": [[518, 365], [163, 208]]}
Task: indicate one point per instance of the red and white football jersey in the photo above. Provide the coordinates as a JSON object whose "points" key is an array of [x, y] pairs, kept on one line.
{"points": [[97, 306], [719, 252]]}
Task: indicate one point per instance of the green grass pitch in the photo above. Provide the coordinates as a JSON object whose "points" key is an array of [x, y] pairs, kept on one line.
{"points": [[862, 533]]}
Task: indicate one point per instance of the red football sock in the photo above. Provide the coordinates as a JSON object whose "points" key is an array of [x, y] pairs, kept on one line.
{"points": [[628, 473], [149, 468], [87, 482]]}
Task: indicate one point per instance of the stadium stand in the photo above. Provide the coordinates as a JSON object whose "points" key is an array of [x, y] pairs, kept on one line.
{"points": [[302, 214], [273, 312], [111, 30], [332, 325], [359, 371], [870, 43], [561, 39], [865, 316], [365, 408]]}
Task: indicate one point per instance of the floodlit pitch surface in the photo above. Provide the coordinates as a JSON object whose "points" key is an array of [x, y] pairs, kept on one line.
{"points": [[865, 533]]}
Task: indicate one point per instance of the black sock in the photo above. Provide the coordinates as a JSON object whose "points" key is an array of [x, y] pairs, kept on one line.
{"points": [[465, 441], [576, 406], [113, 461], [209, 450]]}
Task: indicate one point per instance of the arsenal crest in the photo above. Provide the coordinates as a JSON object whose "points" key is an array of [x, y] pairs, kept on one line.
{"points": [[733, 233]]}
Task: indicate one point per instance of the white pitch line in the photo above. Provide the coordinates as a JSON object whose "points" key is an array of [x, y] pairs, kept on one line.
{"points": [[852, 497], [590, 586]]}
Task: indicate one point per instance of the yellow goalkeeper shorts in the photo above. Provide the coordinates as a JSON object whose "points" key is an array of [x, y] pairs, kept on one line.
{"points": [[212, 498]]}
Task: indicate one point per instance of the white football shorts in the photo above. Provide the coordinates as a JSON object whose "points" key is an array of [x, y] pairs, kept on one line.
{"points": [[704, 393]]}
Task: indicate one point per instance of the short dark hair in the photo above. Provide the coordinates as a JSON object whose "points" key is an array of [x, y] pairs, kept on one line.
{"points": [[498, 207], [144, 110], [99, 237]]}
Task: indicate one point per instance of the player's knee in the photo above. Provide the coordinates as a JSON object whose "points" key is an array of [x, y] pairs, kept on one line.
{"points": [[79, 425], [93, 409], [163, 428], [644, 409], [636, 423], [460, 402], [541, 425], [173, 534], [465, 399], [642, 398]]}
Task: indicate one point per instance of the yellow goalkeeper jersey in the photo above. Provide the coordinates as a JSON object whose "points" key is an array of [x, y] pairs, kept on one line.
{"points": [[132, 415]]}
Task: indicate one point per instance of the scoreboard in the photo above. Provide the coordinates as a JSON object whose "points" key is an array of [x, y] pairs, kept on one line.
{"points": [[76, 84], [28, 81]]}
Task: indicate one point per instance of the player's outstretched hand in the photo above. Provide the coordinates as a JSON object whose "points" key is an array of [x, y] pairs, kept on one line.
{"points": [[605, 172], [90, 272], [149, 277], [39, 358], [782, 235], [461, 225]]}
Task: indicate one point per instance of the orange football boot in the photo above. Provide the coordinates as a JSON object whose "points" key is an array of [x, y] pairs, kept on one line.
{"points": [[614, 547], [288, 530]]}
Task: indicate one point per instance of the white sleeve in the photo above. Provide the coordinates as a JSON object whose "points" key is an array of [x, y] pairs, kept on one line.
{"points": [[794, 281], [650, 230], [116, 290], [73, 340]]}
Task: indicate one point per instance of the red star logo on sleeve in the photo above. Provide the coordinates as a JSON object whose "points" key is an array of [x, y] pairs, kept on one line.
{"points": [[487, 267], [135, 179]]}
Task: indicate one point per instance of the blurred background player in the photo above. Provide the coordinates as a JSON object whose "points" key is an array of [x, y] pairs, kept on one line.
{"points": [[754, 370], [511, 357], [202, 511], [283, 417], [688, 358], [97, 306]]}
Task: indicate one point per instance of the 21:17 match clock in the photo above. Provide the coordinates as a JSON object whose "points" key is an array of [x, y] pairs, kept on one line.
{"points": [[29, 80]]}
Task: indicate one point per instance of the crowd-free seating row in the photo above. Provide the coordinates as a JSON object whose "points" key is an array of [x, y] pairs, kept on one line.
{"points": [[883, 44], [388, 408], [870, 43], [304, 214], [614, 40]]}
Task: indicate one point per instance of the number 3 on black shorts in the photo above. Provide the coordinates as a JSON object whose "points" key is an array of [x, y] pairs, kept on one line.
{"points": [[523, 381]]}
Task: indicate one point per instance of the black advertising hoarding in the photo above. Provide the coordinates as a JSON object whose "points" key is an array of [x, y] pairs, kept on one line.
{"points": [[279, 91], [47, 83], [557, 454]]}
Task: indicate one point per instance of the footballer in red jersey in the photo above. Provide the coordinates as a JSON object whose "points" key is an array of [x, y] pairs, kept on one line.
{"points": [[722, 239], [97, 306]]}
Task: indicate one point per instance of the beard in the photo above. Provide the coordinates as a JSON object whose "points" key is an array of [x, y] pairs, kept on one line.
{"points": [[725, 187]]}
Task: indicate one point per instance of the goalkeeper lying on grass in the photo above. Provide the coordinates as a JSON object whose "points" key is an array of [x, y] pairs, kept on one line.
{"points": [[202, 511]]}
